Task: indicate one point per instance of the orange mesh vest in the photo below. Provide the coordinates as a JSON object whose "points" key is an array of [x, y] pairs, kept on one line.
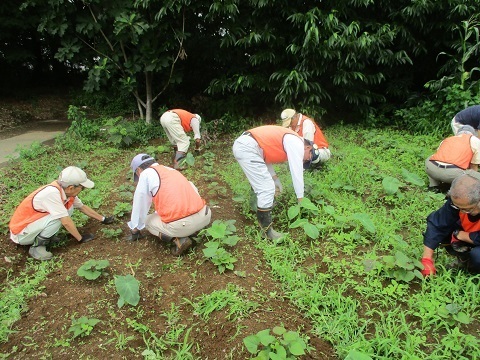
{"points": [[455, 150], [176, 198], [26, 214], [467, 225], [318, 137], [185, 118], [270, 139]]}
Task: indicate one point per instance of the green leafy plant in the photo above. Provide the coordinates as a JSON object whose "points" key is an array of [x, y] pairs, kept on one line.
{"points": [[220, 234], [399, 266], [82, 326], [92, 269], [128, 289], [301, 212], [282, 344], [452, 313], [112, 233], [122, 208]]}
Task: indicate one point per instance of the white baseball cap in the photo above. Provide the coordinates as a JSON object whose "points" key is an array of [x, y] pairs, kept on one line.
{"points": [[73, 175]]}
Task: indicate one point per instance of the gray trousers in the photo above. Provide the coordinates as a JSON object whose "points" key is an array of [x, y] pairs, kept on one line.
{"points": [[438, 175]]}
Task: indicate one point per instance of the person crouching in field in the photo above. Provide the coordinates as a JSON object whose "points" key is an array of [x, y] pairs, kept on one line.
{"points": [[41, 214], [176, 123], [456, 225], [308, 129], [179, 209], [456, 155]]}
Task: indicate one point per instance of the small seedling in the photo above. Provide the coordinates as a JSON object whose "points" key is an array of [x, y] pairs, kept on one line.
{"points": [[282, 344], [92, 269], [82, 326]]}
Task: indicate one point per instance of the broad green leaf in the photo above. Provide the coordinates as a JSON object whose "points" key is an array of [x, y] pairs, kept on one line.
{"points": [[293, 211], [357, 355], [463, 318], [311, 230], [251, 343], [391, 185], [366, 222], [297, 348], [412, 178], [278, 330], [128, 289], [298, 223]]}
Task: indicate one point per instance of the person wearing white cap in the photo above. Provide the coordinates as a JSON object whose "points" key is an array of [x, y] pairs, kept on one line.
{"points": [[456, 155], [308, 129], [177, 123], [256, 150], [41, 214], [179, 209]]}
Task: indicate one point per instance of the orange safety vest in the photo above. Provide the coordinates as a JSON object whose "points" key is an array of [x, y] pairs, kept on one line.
{"points": [[467, 225], [455, 150], [270, 140], [175, 198], [318, 137], [26, 214], [185, 118]]}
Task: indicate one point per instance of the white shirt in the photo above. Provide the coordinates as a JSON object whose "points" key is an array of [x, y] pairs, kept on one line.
{"points": [[294, 147], [195, 124], [49, 200], [147, 187]]}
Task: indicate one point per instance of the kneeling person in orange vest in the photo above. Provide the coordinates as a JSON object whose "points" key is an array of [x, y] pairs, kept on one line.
{"points": [[179, 209], [456, 155], [41, 214]]}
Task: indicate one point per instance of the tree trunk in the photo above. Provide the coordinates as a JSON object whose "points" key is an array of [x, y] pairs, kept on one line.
{"points": [[148, 103]]}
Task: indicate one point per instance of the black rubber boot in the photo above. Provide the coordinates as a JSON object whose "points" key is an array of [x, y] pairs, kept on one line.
{"points": [[179, 155], [181, 245], [38, 249], [264, 217]]}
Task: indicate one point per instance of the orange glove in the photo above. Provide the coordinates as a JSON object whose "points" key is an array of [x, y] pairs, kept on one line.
{"points": [[428, 267]]}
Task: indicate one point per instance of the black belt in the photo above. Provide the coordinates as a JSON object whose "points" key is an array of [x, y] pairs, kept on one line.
{"points": [[450, 166]]}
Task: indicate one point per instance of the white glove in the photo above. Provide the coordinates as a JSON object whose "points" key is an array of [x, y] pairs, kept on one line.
{"points": [[278, 185]]}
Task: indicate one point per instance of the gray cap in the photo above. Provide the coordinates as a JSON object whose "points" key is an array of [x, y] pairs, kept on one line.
{"points": [[466, 129], [137, 161]]}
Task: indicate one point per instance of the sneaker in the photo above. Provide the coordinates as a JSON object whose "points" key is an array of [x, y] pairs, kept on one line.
{"points": [[40, 253], [181, 245]]}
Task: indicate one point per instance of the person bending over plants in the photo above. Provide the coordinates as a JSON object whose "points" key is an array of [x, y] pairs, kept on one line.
{"points": [[256, 150], [456, 225], [179, 209], [41, 214], [176, 123]]}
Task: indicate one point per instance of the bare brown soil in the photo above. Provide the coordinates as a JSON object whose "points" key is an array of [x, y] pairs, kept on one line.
{"points": [[167, 283]]}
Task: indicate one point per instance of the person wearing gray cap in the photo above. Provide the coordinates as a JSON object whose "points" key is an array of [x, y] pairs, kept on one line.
{"points": [[41, 214], [308, 129], [456, 155], [256, 150], [179, 209]]}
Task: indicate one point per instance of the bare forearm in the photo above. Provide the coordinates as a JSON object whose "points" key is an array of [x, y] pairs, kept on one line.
{"points": [[91, 213], [69, 225]]}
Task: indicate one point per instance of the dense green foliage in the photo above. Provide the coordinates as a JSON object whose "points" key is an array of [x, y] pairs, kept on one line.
{"points": [[342, 58]]}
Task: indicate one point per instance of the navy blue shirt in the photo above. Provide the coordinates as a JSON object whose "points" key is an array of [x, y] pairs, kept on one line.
{"points": [[441, 224], [469, 116]]}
